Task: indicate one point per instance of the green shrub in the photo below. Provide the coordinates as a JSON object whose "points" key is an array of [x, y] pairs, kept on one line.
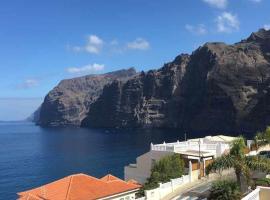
{"points": [[225, 190], [164, 170], [262, 182]]}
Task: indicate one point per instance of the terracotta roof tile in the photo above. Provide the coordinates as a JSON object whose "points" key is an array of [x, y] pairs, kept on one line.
{"points": [[80, 187], [110, 177]]}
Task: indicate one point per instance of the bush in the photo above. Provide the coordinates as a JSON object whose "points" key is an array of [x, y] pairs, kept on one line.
{"points": [[225, 190], [263, 182], [164, 170]]}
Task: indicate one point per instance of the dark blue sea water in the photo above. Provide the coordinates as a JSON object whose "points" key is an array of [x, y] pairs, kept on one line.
{"points": [[31, 156]]}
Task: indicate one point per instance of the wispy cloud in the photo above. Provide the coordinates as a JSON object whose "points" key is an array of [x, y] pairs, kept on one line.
{"points": [[227, 22], [221, 4], [28, 83], [138, 44], [266, 27], [87, 69], [114, 42], [256, 1], [197, 30], [93, 45]]}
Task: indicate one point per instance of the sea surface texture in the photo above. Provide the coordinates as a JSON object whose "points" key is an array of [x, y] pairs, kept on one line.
{"points": [[31, 156]]}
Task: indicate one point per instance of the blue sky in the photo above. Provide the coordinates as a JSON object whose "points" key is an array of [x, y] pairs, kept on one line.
{"points": [[43, 42]]}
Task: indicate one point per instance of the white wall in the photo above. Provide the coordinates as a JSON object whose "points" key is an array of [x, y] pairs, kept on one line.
{"points": [[142, 170], [254, 195], [125, 196], [166, 188]]}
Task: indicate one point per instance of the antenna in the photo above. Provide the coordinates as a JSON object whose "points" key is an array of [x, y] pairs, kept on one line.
{"points": [[185, 136]]}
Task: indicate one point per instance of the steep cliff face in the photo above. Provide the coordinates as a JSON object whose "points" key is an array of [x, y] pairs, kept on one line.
{"points": [[218, 88], [222, 85], [68, 103], [140, 102]]}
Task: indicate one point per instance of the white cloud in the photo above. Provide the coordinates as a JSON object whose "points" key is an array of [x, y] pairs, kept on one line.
{"points": [[227, 23], [91, 68], [266, 27], [197, 30], [93, 45], [221, 4], [139, 44], [28, 83]]}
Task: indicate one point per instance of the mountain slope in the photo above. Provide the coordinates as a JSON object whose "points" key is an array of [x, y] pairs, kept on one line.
{"points": [[70, 100], [218, 87]]}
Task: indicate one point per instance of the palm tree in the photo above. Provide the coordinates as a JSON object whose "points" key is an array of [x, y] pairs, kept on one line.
{"points": [[242, 164]]}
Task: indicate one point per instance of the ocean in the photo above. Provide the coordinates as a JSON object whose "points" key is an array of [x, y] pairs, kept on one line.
{"points": [[31, 156]]}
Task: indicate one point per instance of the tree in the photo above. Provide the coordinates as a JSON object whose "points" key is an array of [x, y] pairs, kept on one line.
{"points": [[262, 138], [225, 190], [242, 164], [267, 135], [259, 140], [164, 170]]}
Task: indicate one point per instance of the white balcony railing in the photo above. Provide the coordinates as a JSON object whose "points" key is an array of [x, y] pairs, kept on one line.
{"points": [[183, 146]]}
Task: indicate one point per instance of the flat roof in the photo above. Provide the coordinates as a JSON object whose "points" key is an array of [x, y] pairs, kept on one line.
{"points": [[216, 138], [196, 153]]}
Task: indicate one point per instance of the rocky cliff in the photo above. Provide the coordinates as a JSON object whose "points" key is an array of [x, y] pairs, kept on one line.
{"points": [[218, 87], [69, 102], [142, 101]]}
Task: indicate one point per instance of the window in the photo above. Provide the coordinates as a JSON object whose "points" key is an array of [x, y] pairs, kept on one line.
{"points": [[127, 198]]}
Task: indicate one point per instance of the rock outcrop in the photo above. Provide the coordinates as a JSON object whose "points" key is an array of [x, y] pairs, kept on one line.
{"points": [[69, 102], [142, 101], [218, 87]]}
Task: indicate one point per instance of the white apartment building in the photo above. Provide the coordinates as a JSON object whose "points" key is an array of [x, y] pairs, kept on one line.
{"points": [[196, 153]]}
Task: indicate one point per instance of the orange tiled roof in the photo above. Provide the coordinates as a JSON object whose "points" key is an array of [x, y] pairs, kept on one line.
{"points": [[109, 178], [79, 187]]}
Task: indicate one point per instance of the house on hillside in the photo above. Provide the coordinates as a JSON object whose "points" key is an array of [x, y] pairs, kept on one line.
{"points": [[196, 153], [82, 186]]}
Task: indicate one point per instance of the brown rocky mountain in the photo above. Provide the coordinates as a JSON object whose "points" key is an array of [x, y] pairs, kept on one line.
{"points": [[218, 88], [69, 102]]}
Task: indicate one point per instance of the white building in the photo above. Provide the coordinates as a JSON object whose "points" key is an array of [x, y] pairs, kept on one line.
{"points": [[260, 193], [192, 151]]}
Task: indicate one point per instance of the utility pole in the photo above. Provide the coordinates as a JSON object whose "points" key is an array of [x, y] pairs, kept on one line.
{"points": [[200, 159]]}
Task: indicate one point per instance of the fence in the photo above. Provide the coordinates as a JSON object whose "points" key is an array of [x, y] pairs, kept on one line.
{"points": [[183, 146], [166, 188]]}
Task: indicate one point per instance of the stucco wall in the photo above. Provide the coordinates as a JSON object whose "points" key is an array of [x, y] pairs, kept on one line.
{"points": [[127, 196], [143, 167]]}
